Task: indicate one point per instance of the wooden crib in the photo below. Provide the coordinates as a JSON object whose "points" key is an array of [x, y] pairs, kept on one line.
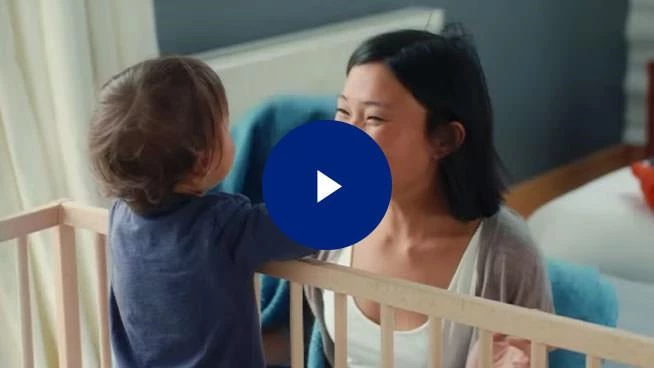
{"points": [[542, 329]]}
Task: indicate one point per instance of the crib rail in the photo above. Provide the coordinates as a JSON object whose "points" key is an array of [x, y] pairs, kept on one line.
{"points": [[542, 329]]}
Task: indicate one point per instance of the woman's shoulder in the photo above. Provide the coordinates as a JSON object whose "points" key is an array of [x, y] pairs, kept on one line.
{"points": [[511, 267], [506, 234]]}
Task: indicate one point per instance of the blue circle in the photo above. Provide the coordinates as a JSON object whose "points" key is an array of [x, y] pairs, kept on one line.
{"points": [[345, 154]]}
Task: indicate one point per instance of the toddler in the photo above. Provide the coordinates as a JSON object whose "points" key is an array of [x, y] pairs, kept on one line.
{"points": [[182, 261]]}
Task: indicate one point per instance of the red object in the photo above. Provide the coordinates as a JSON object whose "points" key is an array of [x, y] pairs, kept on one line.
{"points": [[645, 174]]}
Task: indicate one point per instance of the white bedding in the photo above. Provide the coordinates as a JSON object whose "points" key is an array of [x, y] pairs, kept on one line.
{"points": [[604, 223]]}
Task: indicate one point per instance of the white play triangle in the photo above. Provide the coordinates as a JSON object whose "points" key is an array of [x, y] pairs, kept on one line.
{"points": [[325, 187]]}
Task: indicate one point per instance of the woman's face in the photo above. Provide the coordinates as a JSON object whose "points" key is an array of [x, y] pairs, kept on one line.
{"points": [[375, 101]]}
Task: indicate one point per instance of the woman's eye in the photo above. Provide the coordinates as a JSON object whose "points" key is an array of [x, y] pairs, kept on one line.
{"points": [[375, 119]]}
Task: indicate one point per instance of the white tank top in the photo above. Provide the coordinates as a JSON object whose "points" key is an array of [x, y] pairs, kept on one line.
{"points": [[411, 346]]}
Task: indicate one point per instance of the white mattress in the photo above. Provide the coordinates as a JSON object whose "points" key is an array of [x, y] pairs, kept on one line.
{"points": [[604, 223]]}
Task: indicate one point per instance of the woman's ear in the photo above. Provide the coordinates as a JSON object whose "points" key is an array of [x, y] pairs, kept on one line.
{"points": [[447, 139]]}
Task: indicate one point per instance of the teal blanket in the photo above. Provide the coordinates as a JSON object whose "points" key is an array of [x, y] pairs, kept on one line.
{"points": [[579, 292], [260, 129]]}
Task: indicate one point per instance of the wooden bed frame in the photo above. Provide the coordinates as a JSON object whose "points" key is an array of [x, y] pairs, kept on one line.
{"points": [[529, 195], [542, 329]]}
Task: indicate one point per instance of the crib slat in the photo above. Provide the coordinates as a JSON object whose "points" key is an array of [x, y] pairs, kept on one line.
{"points": [[593, 362], [340, 326], [435, 342], [27, 347], [67, 308], [297, 332], [486, 348], [103, 299], [538, 355], [387, 320]]}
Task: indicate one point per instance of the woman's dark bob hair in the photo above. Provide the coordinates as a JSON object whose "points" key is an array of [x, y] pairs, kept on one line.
{"points": [[443, 73]]}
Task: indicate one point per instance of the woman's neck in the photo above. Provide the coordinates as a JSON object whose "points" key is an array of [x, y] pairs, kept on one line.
{"points": [[415, 216]]}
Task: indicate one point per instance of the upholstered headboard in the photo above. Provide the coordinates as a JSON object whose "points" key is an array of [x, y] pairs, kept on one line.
{"points": [[310, 62]]}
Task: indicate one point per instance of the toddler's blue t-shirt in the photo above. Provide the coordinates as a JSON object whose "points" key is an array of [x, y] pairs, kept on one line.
{"points": [[182, 291]]}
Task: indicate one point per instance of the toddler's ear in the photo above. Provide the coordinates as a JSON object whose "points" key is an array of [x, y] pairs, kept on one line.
{"points": [[203, 165], [192, 183]]}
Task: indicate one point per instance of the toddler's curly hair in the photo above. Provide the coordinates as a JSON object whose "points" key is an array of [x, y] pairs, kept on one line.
{"points": [[152, 122]]}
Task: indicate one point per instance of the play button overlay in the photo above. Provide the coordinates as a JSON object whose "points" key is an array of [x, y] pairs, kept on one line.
{"points": [[326, 184], [325, 187]]}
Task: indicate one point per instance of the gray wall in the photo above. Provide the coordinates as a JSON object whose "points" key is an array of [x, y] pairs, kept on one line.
{"points": [[554, 67]]}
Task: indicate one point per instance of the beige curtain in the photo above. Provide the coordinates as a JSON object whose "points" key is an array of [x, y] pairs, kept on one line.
{"points": [[54, 54]]}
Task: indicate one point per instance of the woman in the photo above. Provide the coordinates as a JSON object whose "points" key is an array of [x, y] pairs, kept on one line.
{"points": [[423, 98]]}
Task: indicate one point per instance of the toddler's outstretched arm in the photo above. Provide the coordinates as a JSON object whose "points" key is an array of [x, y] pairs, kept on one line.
{"points": [[258, 240]]}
